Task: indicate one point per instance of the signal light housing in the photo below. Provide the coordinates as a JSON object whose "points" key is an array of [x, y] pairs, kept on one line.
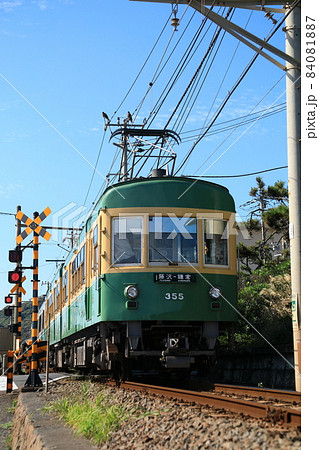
{"points": [[15, 256], [8, 312], [14, 276], [8, 299]]}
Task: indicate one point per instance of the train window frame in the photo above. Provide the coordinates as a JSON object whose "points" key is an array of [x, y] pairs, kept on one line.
{"points": [[185, 262], [95, 251], [78, 270], [226, 229], [57, 296], [142, 225], [65, 280]]}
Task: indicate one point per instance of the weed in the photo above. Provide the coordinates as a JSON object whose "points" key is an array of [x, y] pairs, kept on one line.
{"points": [[12, 408], [6, 426], [94, 415]]}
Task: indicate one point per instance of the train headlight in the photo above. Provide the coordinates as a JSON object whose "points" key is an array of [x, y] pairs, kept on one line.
{"points": [[215, 292], [131, 292]]}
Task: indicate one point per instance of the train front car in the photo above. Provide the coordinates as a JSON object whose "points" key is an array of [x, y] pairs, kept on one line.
{"points": [[167, 273]]}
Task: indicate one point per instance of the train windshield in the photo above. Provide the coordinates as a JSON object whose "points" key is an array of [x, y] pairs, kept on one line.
{"points": [[127, 240], [215, 242], [172, 239]]}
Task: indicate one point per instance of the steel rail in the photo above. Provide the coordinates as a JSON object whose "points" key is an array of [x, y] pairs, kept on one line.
{"points": [[291, 417], [275, 394]]}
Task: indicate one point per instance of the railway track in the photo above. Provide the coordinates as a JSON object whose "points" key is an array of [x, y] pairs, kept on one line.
{"points": [[274, 394], [262, 409]]}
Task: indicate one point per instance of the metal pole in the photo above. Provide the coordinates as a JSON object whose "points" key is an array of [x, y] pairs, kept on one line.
{"points": [[10, 371], [124, 155], [34, 380], [293, 82], [17, 295], [47, 359]]}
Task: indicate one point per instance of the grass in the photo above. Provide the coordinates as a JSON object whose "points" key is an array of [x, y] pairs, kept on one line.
{"points": [[6, 426], [94, 416], [9, 425], [12, 408]]}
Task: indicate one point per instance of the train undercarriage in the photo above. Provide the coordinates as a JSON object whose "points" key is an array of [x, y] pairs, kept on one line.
{"points": [[125, 348]]}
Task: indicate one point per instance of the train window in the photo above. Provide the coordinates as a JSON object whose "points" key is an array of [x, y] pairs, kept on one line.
{"points": [[57, 296], [172, 239], [215, 242], [65, 286], [95, 251], [127, 240], [78, 270], [95, 235]]}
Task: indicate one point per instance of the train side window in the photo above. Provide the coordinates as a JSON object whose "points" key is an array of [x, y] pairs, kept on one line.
{"points": [[127, 240], [172, 240], [216, 242], [57, 296], [65, 286], [95, 251]]}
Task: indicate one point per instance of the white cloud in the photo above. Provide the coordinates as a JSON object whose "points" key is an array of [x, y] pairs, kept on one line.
{"points": [[7, 191], [8, 6]]}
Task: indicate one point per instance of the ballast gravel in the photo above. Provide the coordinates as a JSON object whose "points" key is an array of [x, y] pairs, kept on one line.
{"points": [[173, 424]]}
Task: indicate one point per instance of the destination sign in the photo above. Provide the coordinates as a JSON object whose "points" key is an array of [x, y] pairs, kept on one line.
{"points": [[174, 277]]}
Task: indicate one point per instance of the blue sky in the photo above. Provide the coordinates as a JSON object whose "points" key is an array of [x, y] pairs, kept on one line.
{"points": [[63, 62]]}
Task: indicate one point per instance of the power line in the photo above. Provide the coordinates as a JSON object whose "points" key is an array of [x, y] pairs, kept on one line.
{"points": [[225, 101], [237, 176]]}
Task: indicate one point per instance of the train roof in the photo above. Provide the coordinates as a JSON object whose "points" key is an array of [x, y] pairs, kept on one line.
{"points": [[179, 192]]}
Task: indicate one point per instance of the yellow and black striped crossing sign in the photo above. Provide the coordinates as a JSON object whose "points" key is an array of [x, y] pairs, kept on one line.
{"points": [[33, 225]]}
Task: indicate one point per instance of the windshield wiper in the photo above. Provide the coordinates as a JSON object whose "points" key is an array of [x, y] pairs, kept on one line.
{"points": [[171, 263]]}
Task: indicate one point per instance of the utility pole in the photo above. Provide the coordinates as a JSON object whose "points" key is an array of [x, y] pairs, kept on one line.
{"points": [[293, 82], [293, 85]]}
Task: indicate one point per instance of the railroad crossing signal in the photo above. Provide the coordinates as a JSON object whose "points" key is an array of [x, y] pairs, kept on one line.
{"points": [[8, 300], [33, 225], [19, 288], [15, 256], [14, 276]]}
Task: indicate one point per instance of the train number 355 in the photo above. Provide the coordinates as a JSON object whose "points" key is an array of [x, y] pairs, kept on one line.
{"points": [[174, 296]]}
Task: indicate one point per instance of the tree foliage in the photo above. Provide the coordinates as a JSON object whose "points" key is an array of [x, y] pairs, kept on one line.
{"points": [[269, 215], [264, 304], [264, 284], [26, 314]]}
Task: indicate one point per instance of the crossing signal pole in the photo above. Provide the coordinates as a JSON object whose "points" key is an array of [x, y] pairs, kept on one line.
{"points": [[34, 380]]}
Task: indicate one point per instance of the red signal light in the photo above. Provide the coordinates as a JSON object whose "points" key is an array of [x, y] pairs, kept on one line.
{"points": [[14, 276], [8, 300]]}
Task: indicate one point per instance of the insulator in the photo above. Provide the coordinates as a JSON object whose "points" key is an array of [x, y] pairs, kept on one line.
{"points": [[175, 23]]}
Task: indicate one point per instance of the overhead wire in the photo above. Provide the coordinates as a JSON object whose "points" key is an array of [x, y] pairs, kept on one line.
{"points": [[225, 101], [240, 175], [243, 120], [194, 131], [253, 122], [143, 66], [191, 85]]}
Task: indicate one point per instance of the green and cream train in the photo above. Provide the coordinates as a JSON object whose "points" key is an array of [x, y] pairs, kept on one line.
{"points": [[150, 282]]}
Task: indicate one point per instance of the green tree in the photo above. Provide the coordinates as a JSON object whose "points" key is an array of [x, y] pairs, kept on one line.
{"points": [[268, 214], [264, 303]]}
